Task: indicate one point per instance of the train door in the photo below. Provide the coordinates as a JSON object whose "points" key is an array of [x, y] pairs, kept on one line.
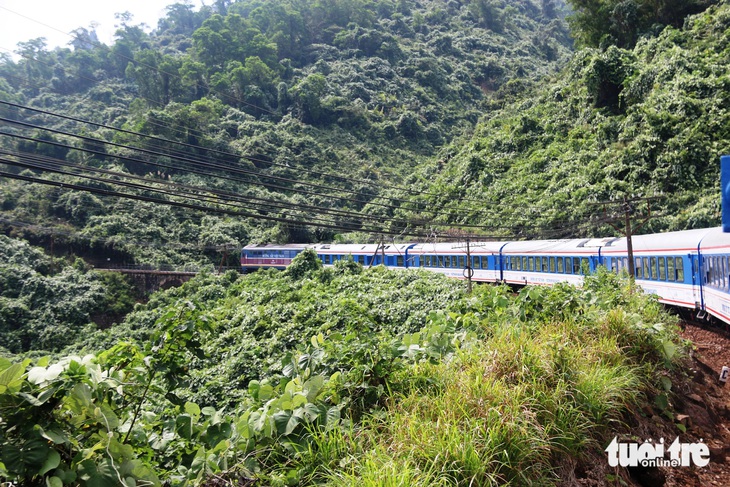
{"points": [[697, 281]]}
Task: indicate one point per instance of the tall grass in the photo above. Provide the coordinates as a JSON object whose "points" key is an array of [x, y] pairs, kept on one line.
{"points": [[540, 386]]}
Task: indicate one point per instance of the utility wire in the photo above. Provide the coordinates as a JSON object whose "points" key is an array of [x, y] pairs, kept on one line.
{"points": [[223, 194], [187, 157], [142, 161], [217, 195]]}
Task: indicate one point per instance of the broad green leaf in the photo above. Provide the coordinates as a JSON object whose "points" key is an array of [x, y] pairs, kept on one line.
{"points": [[192, 409], [4, 363], [184, 426], [285, 422], [312, 411], [253, 388], [10, 375], [29, 457], [208, 411], [82, 394], [52, 461], [54, 436], [312, 387], [54, 482], [298, 400], [103, 474], [333, 417], [669, 349], [265, 392], [106, 417]]}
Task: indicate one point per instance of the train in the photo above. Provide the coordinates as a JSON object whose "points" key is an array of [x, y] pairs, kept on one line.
{"points": [[687, 269]]}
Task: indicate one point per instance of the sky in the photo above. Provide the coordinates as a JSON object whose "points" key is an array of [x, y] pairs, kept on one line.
{"points": [[21, 20]]}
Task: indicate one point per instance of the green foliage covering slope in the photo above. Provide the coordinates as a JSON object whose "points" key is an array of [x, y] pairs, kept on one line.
{"points": [[46, 304], [650, 121], [502, 385], [260, 316]]}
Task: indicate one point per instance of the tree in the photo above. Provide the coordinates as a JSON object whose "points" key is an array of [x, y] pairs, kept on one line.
{"points": [[622, 22]]}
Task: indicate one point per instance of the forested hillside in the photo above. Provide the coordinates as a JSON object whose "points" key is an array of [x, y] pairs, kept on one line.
{"points": [[300, 103], [646, 121]]}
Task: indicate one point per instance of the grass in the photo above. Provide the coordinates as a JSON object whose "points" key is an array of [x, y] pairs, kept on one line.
{"points": [[509, 409]]}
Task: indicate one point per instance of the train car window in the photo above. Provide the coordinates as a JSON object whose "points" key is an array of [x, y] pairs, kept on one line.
{"points": [[568, 265], [645, 265], [662, 269], [584, 266], [724, 272], [462, 262], [447, 261], [399, 261], [638, 269], [560, 265], [652, 268], [524, 263], [552, 264], [671, 276], [576, 265]]}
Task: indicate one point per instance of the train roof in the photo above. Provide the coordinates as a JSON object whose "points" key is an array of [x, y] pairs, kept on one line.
{"points": [[357, 249], [685, 241], [715, 240], [476, 248], [269, 246], [707, 239]]}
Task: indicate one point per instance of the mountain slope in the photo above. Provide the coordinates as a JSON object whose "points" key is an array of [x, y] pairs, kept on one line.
{"points": [[651, 121]]}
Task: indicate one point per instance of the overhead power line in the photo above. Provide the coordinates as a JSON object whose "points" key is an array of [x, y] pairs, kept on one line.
{"points": [[188, 157]]}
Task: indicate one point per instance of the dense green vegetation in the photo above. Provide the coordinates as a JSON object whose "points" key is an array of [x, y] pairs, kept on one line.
{"points": [[364, 89], [501, 384], [623, 22], [46, 304], [650, 121]]}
